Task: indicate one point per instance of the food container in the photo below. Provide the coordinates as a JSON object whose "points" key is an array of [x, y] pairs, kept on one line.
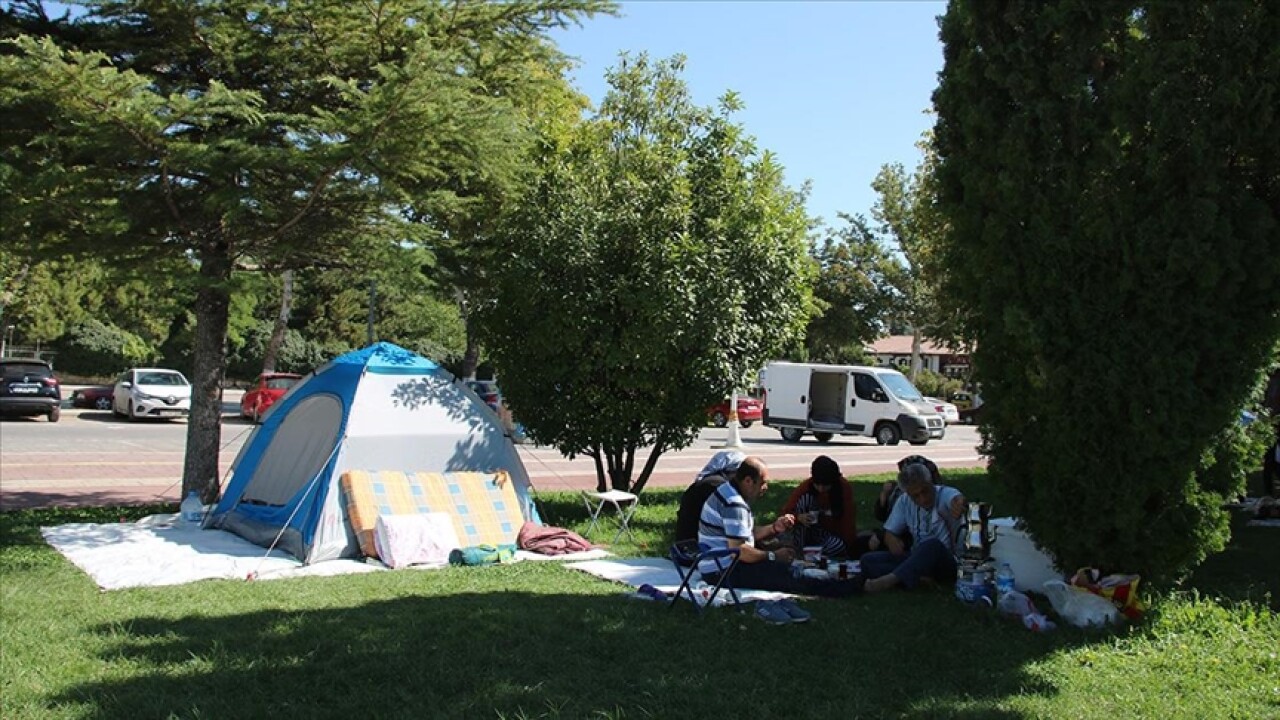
{"points": [[975, 592], [843, 569]]}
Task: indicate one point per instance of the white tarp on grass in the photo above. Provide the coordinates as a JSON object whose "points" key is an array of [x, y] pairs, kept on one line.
{"points": [[661, 574], [159, 550]]}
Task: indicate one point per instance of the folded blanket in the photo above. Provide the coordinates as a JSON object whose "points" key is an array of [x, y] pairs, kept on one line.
{"points": [[548, 540]]}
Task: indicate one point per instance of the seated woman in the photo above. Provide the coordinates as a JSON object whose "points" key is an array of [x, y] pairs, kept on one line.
{"points": [[825, 512]]}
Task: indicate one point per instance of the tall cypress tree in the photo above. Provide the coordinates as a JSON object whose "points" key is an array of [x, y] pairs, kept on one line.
{"points": [[1109, 172]]}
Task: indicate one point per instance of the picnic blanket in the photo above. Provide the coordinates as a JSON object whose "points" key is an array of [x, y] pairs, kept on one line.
{"points": [[661, 574], [160, 550]]}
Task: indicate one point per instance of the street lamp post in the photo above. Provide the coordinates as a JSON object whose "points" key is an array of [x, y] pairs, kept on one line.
{"points": [[6, 339]]}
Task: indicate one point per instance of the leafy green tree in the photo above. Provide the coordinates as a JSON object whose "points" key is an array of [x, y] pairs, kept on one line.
{"points": [[906, 209], [855, 291], [937, 385], [656, 263], [46, 299], [92, 348], [1109, 175], [273, 134], [463, 252]]}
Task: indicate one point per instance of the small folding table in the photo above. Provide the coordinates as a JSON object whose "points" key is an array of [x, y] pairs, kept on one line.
{"points": [[624, 504]]}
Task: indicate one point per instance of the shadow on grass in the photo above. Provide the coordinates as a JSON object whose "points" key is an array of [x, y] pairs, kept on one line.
{"points": [[481, 654], [1246, 569], [22, 527]]}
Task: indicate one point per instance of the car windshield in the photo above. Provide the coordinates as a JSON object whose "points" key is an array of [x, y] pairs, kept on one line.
{"points": [[161, 378], [901, 387], [281, 383]]}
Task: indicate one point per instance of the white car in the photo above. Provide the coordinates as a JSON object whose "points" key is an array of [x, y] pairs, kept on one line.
{"points": [[151, 393], [950, 413]]}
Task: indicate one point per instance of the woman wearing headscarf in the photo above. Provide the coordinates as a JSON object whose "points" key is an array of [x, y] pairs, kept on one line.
{"points": [[824, 509]]}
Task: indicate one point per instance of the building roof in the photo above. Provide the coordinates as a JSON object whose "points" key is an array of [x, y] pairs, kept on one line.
{"points": [[901, 345]]}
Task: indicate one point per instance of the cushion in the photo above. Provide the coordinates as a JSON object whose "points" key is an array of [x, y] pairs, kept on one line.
{"points": [[483, 507], [403, 540]]}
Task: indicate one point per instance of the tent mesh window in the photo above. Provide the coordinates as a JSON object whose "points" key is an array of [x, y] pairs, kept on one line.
{"points": [[303, 441]]}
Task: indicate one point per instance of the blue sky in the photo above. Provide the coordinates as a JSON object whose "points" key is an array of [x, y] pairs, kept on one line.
{"points": [[835, 89]]}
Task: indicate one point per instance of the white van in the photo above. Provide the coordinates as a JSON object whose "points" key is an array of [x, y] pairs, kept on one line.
{"points": [[829, 400]]}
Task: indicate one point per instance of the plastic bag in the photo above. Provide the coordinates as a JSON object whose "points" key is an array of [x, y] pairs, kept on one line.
{"points": [[1080, 607], [1016, 603], [702, 595], [1037, 622], [1019, 605], [1121, 590]]}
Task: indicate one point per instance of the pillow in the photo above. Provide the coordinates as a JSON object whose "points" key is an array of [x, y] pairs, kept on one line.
{"points": [[403, 540]]}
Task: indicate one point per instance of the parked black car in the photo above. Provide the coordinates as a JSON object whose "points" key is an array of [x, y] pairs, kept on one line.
{"points": [[28, 387]]}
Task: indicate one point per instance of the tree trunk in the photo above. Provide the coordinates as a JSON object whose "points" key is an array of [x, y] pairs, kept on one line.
{"points": [[204, 427], [471, 357], [619, 474], [915, 352], [600, 482], [648, 468], [281, 324]]}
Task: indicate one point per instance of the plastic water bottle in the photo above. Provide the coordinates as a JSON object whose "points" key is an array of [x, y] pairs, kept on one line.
{"points": [[192, 510], [1004, 580]]}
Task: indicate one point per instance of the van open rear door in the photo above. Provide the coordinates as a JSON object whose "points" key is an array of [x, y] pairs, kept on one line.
{"points": [[787, 395]]}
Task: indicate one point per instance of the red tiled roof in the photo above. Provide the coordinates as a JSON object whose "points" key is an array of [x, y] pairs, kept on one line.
{"points": [[901, 345]]}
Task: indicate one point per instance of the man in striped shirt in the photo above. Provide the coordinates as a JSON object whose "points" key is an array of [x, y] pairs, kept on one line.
{"points": [[727, 522]]}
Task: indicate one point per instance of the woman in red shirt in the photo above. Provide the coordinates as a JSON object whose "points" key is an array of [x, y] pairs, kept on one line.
{"points": [[824, 509]]}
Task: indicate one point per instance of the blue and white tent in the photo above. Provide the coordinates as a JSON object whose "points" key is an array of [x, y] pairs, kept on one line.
{"points": [[380, 408]]}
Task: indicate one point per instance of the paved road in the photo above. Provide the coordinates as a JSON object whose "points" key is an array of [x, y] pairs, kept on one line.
{"points": [[94, 458]]}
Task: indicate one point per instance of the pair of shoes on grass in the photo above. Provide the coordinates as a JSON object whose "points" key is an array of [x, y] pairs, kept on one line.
{"points": [[781, 612], [649, 592]]}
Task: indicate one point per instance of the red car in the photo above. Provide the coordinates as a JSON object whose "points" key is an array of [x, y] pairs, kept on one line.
{"points": [[268, 388], [749, 410], [96, 398]]}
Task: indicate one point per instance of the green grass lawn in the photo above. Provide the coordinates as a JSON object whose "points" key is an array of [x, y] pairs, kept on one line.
{"points": [[538, 640]]}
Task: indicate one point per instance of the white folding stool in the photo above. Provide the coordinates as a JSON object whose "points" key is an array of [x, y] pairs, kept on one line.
{"points": [[624, 503]]}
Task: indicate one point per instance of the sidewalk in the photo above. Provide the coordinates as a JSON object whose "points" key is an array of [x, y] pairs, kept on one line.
{"points": [[69, 488]]}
